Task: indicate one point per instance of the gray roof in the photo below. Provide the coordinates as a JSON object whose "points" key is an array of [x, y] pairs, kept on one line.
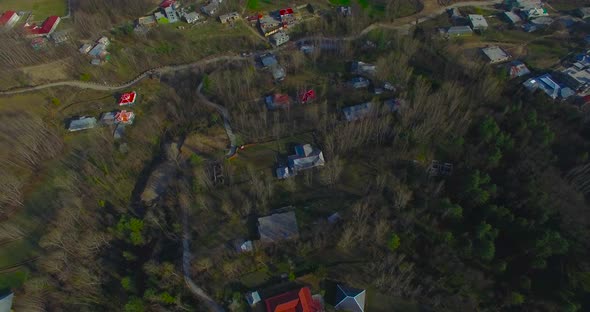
{"points": [[278, 72], [306, 157], [495, 54], [363, 68], [97, 50], [191, 17], [478, 21], [356, 112], [277, 227], [6, 302], [268, 60], [459, 30], [171, 14], [283, 172], [512, 17], [108, 118], [350, 299], [119, 131], [82, 123]]}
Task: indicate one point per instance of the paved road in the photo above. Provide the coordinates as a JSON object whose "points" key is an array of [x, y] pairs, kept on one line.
{"points": [[403, 24]]}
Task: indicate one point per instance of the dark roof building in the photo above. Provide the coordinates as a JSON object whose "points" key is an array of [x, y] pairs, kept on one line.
{"points": [[518, 69], [278, 227], [457, 31], [306, 157], [356, 112], [350, 299], [82, 123]]}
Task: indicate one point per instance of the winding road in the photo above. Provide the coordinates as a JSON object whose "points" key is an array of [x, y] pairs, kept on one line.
{"points": [[226, 120]]}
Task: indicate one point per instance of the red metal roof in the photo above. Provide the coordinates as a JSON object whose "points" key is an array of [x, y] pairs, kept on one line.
{"points": [[298, 300], [6, 16], [167, 3], [307, 96], [128, 98], [45, 28], [285, 11], [124, 116]]}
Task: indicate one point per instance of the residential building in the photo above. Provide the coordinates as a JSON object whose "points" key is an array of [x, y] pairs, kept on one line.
{"points": [[82, 123], [356, 112], [229, 17], [253, 298], [496, 54], [60, 37], [547, 84], [307, 96], [48, 26], [278, 227], [583, 13], [279, 38], [124, 117], [298, 300], [287, 17], [577, 79], [147, 21], [160, 18], [278, 72], [457, 31], [306, 157], [362, 68], [128, 98], [518, 69], [104, 40], [171, 15], [544, 21], [269, 24], [534, 13], [477, 22], [192, 17], [268, 60], [8, 19], [167, 4], [85, 48], [211, 8], [6, 302], [359, 82], [512, 17], [277, 100], [350, 299], [108, 118], [99, 50]]}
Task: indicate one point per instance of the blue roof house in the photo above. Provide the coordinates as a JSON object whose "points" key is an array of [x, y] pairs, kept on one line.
{"points": [[350, 299], [546, 83]]}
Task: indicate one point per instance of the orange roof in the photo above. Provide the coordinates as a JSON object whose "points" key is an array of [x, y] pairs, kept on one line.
{"points": [[298, 300]]}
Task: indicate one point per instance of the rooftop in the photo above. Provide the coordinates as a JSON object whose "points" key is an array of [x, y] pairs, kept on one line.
{"points": [[298, 300], [278, 227], [356, 112], [496, 54], [350, 299], [478, 21], [82, 123]]}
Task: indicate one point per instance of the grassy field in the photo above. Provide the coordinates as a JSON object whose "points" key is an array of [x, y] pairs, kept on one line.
{"points": [[41, 9]]}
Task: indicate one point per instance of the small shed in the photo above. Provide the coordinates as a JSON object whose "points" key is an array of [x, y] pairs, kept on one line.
{"points": [[192, 17], [495, 54], [278, 227], [512, 17], [457, 31], [478, 22], [82, 123]]}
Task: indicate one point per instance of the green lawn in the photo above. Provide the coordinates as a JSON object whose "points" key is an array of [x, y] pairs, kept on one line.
{"points": [[41, 9]]}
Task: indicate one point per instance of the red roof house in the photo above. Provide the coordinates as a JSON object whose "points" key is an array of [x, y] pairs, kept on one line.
{"points": [[46, 28], [124, 117], [128, 98], [8, 19], [307, 96], [298, 300], [167, 3]]}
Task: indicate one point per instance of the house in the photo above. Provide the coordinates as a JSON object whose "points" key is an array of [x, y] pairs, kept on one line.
{"points": [[350, 299], [522, 4], [8, 19], [512, 17], [82, 123], [99, 50], [583, 13], [269, 24], [306, 157], [542, 21], [356, 112], [229, 17], [279, 38], [128, 98], [192, 17], [359, 82], [456, 16], [577, 79], [284, 172], [344, 10], [211, 8], [48, 26], [287, 17], [124, 117], [477, 22], [546, 83], [171, 15], [108, 118], [278, 72], [277, 100], [268, 60], [160, 18], [495, 54], [362, 68], [307, 96], [278, 227], [457, 31], [85, 48], [518, 69], [298, 300], [242, 245], [167, 4], [533, 13], [60, 37], [147, 21], [253, 298], [6, 302]]}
